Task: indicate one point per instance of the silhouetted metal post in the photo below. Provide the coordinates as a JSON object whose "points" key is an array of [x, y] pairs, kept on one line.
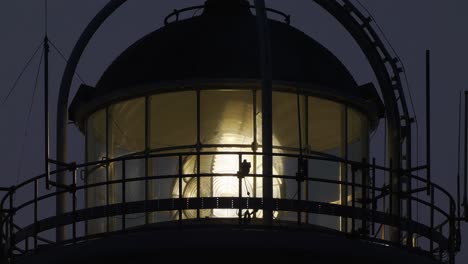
{"points": [[458, 161], [64, 92], [428, 118], [46, 110], [465, 199], [267, 95]]}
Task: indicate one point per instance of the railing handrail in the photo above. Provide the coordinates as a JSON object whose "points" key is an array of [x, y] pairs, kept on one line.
{"points": [[370, 213]]}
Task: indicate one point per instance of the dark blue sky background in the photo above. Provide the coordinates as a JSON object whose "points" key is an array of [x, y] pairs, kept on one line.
{"points": [[412, 26]]}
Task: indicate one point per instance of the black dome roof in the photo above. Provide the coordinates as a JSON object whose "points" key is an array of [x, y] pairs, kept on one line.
{"points": [[220, 45]]}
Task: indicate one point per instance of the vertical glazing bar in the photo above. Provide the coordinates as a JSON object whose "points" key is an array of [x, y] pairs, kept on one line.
{"points": [[74, 206], [198, 151], [374, 202], [346, 164], [180, 188], [432, 220], [267, 95], [239, 176], [124, 207], [255, 142], [36, 192], [108, 138], [300, 168], [147, 141]]}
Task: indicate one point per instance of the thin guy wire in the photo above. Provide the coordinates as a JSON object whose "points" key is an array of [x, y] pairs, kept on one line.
{"points": [[65, 59], [19, 76], [23, 144]]}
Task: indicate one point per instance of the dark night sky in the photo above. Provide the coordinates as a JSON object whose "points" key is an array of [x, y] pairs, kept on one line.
{"points": [[412, 26]]}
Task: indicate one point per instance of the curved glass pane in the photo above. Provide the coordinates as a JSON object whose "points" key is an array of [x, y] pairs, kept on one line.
{"points": [[173, 119], [325, 125], [226, 117], [96, 150], [228, 121], [126, 136], [358, 135]]}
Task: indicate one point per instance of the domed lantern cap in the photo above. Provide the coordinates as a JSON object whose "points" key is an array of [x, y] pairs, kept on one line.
{"points": [[221, 44]]}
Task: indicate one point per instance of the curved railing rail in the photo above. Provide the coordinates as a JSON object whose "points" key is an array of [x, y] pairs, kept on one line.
{"points": [[368, 213]]}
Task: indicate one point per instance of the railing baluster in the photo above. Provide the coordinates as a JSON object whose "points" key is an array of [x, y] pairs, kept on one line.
{"points": [[374, 203], [36, 193], [147, 188], [6, 234], [353, 198], [108, 164], [74, 205], [26, 244], [11, 225], [441, 255], [409, 204], [391, 189], [399, 205], [299, 187], [451, 247], [180, 189], [431, 246], [239, 176], [364, 184]]}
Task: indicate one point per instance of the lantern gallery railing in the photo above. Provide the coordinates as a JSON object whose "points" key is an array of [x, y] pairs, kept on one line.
{"points": [[363, 209]]}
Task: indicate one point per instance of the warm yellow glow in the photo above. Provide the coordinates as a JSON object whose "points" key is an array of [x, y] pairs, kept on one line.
{"points": [[350, 199], [229, 186], [226, 119], [225, 186], [226, 116]]}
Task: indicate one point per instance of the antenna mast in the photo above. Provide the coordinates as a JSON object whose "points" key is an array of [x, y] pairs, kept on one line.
{"points": [[46, 98]]}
